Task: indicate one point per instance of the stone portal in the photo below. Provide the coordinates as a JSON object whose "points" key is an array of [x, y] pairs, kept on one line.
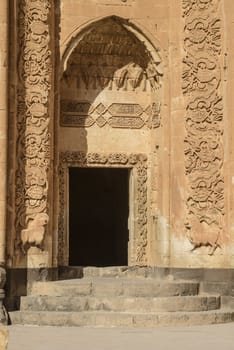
{"points": [[98, 216], [109, 116]]}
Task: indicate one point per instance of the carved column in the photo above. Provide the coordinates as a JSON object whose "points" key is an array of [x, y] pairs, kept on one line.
{"points": [[3, 147], [202, 86], [34, 125]]}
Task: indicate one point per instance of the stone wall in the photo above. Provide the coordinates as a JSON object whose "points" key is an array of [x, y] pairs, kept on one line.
{"points": [[126, 113], [3, 338], [122, 78], [190, 225]]}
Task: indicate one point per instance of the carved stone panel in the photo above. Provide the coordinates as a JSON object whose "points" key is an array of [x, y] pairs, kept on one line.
{"points": [[109, 56], [117, 115], [111, 79], [33, 139], [202, 87], [136, 162]]}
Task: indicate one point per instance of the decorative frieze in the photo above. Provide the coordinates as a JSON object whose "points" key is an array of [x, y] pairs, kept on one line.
{"points": [[117, 115], [137, 162], [33, 141], [202, 87]]}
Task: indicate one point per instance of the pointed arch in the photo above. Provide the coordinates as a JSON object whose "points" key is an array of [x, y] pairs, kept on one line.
{"points": [[151, 44]]}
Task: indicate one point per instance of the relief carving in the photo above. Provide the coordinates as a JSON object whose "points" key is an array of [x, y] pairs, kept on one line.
{"points": [[109, 57], [201, 75], [196, 5], [33, 140], [79, 159], [203, 34], [35, 231], [117, 115], [126, 122], [204, 124], [122, 109]]}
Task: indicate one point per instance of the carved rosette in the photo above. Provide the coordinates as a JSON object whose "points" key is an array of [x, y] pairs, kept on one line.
{"points": [[138, 162], [34, 83], [204, 123]]}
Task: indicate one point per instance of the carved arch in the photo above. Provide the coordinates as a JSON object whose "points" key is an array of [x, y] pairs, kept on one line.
{"points": [[140, 64], [110, 54], [142, 34]]}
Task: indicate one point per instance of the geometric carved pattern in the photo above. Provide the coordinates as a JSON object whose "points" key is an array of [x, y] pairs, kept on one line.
{"points": [[138, 162], [111, 58], [204, 123], [33, 139], [117, 115]]}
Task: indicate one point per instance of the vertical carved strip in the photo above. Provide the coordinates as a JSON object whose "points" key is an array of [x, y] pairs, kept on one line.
{"points": [[141, 166], [33, 142], [204, 123]]}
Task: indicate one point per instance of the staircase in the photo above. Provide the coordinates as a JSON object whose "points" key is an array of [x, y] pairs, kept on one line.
{"points": [[126, 297]]}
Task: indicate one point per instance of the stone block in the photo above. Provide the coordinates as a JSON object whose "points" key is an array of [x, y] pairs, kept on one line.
{"points": [[3, 338]]}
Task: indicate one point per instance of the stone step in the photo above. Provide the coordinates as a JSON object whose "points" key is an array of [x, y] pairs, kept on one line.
{"points": [[120, 319], [139, 272], [115, 287], [112, 272], [227, 302], [166, 304], [221, 288]]}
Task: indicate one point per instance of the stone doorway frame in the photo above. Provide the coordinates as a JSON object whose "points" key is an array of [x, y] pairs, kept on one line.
{"points": [[138, 220]]}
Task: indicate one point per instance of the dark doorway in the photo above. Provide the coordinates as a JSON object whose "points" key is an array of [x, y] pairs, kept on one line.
{"points": [[98, 216]]}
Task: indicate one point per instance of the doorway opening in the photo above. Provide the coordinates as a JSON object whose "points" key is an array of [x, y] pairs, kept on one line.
{"points": [[98, 216]]}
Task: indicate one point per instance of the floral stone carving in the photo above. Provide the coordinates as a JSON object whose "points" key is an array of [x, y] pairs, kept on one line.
{"points": [[204, 123], [138, 162], [33, 141]]}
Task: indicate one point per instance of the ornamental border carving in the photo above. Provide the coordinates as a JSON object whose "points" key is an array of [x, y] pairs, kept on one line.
{"points": [[33, 136], [83, 114], [137, 162], [202, 88]]}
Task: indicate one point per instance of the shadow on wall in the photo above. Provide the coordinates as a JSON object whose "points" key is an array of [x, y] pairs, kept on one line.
{"points": [[107, 58]]}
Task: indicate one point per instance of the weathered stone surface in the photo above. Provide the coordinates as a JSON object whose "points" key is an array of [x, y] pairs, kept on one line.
{"points": [[227, 302], [115, 287], [132, 301], [130, 92], [222, 288], [143, 88], [3, 338], [120, 303], [124, 319]]}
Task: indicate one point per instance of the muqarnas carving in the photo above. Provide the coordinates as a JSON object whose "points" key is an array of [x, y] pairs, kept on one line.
{"points": [[204, 124], [109, 56], [33, 139]]}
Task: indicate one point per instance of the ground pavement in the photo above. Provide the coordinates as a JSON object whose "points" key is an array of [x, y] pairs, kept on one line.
{"points": [[214, 337]]}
